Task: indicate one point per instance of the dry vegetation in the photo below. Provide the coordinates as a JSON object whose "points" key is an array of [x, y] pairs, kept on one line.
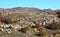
{"points": [[29, 22]]}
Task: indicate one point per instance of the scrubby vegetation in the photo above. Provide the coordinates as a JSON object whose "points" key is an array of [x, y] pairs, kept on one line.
{"points": [[29, 22]]}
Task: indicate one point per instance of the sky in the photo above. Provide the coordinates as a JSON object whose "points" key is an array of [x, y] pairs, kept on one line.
{"points": [[41, 4]]}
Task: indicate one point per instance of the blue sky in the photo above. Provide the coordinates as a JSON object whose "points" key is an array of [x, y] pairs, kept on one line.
{"points": [[41, 4]]}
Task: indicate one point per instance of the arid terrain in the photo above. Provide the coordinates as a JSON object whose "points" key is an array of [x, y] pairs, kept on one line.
{"points": [[29, 22]]}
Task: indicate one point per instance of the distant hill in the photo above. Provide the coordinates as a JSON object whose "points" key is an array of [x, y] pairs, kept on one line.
{"points": [[26, 10]]}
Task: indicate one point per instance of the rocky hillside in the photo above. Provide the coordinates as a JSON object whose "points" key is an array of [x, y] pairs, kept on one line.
{"points": [[29, 22]]}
